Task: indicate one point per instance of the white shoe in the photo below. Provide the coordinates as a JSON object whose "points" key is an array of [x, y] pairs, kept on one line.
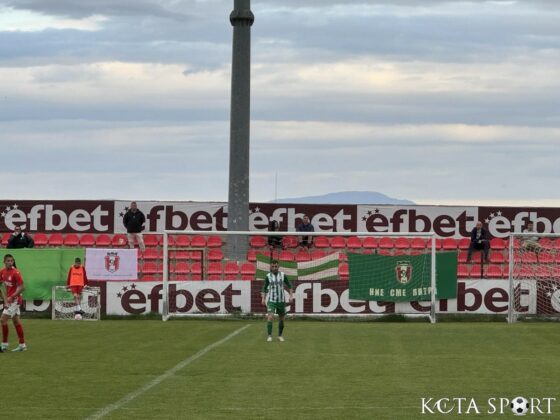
{"points": [[4, 346], [280, 338], [269, 338], [21, 347]]}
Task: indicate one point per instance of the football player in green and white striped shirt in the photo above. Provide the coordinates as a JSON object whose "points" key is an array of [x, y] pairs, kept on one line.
{"points": [[276, 303]]}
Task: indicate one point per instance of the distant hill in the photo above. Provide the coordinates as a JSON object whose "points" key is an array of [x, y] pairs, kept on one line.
{"points": [[345, 197]]}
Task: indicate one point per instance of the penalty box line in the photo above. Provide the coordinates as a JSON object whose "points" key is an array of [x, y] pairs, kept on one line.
{"points": [[167, 374]]}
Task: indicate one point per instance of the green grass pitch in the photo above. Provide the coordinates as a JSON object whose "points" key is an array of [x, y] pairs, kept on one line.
{"points": [[324, 370]]}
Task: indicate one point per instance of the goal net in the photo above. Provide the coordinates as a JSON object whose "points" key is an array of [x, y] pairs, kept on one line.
{"points": [[534, 276], [334, 274], [64, 305]]}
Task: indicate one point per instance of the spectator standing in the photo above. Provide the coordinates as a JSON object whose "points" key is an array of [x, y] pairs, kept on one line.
{"points": [[134, 221]]}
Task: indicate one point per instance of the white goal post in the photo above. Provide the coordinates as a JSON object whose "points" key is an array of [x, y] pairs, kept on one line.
{"points": [[534, 276], [64, 305], [241, 247]]}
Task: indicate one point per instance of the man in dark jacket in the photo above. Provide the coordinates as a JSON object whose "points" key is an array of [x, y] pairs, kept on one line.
{"points": [[479, 241], [20, 240], [134, 221], [305, 226]]}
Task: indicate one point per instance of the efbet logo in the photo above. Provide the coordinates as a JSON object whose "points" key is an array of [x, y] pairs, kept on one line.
{"points": [[519, 406]]}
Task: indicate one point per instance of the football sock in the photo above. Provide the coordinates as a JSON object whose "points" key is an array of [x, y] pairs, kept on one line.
{"points": [[5, 333], [280, 327], [19, 329], [269, 327]]}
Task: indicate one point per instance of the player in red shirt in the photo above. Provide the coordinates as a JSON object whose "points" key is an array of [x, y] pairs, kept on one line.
{"points": [[11, 277]]}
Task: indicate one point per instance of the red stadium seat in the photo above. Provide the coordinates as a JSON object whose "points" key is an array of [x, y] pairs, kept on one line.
{"points": [[56, 239], [303, 256], [462, 257], [384, 252], [369, 243], [248, 271], [215, 255], [464, 243], [150, 268], [529, 258], [71, 240], [290, 241], [497, 244], [343, 271], [151, 240], [214, 242], [170, 240], [546, 243], [497, 257], [475, 272], [286, 256], [546, 258], [402, 243], [182, 255], [182, 268], [494, 271], [103, 241], [153, 254], [555, 272], [317, 254], [252, 255], [257, 241], [214, 271], [182, 241], [419, 243], [449, 244], [196, 271], [40, 239], [195, 255], [342, 256], [87, 240], [524, 271], [354, 242], [6, 238], [462, 271], [386, 243], [119, 240], [338, 242], [321, 242], [543, 272], [150, 277], [198, 241], [231, 270]]}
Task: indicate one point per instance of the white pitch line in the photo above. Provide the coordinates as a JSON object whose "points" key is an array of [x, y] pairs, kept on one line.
{"points": [[126, 399]]}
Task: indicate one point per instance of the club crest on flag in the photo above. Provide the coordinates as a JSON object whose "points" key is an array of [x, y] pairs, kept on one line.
{"points": [[403, 271], [112, 261]]}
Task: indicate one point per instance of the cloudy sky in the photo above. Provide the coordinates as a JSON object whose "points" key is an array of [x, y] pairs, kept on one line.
{"points": [[430, 100]]}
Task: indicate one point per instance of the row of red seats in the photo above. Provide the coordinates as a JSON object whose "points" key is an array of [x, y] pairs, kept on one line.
{"points": [[215, 271], [502, 271], [118, 240], [354, 242]]}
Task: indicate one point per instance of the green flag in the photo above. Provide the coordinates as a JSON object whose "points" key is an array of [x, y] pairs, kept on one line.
{"points": [[325, 268], [42, 269], [401, 278]]}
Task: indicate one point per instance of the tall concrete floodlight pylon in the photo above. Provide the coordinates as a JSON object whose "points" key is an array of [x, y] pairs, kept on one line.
{"points": [[241, 19]]}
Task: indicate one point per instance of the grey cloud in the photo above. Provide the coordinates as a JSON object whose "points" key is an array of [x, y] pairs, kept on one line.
{"points": [[86, 8]]}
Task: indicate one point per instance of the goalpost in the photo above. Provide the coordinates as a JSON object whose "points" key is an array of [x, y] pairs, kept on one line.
{"points": [[64, 305], [229, 277], [534, 276]]}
